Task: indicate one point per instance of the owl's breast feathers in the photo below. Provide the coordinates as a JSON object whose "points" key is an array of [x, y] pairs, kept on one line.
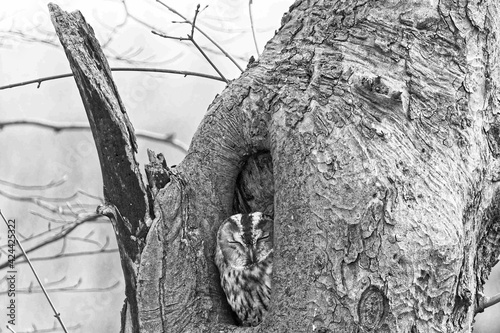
{"points": [[248, 290]]}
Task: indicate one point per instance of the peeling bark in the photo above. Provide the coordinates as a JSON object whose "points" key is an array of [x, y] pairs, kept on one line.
{"points": [[379, 121]]}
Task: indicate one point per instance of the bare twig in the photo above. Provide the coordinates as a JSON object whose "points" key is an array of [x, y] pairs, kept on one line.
{"points": [[118, 69], [234, 30], [208, 59], [253, 28], [203, 33], [150, 27], [43, 233], [49, 330], [56, 314], [51, 184], [70, 254], [66, 230], [163, 138], [85, 240], [43, 202], [49, 283], [36, 198], [149, 60], [206, 49], [169, 37], [72, 289], [50, 219], [116, 27], [92, 196], [53, 230], [191, 39], [48, 39], [64, 221]]}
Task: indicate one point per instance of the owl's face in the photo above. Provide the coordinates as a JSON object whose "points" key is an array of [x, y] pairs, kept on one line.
{"points": [[245, 240]]}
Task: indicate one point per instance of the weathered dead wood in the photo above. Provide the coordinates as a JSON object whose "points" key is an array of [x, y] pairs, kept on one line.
{"points": [[113, 133]]}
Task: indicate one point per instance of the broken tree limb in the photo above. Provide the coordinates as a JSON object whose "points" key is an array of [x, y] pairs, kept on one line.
{"points": [[124, 191]]}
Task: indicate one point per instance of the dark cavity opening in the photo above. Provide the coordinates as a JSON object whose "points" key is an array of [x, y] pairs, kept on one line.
{"points": [[254, 190]]}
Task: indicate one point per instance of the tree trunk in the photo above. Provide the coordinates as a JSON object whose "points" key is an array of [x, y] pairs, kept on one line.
{"points": [[370, 128]]}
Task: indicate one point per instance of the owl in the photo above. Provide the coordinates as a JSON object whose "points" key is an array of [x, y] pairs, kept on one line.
{"points": [[244, 256]]}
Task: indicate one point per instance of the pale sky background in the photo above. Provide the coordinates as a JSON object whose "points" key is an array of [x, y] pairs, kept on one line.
{"points": [[158, 103]]}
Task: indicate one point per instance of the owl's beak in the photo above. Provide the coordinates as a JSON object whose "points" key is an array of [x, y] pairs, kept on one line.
{"points": [[251, 256]]}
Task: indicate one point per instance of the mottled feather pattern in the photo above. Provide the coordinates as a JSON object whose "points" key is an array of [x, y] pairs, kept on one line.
{"points": [[244, 256]]}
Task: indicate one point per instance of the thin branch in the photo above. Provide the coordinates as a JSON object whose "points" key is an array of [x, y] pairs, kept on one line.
{"points": [[32, 288], [116, 27], [92, 196], [49, 330], [57, 127], [36, 198], [124, 58], [42, 202], [193, 25], [233, 30], [50, 219], [51, 283], [49, 38], [208, 59], [56, 314], [57, 229], [252, 26], [149, 60], [191, 39], [169, 37], [43, 233], [85, 240], [203, 33], [136, 19], [70, 289], [51, 184], [116, 69], [73, 210], [70, 254], [56, 237]]}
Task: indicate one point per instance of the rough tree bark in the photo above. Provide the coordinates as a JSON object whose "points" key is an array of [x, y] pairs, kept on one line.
{"points": [[377, 124]]}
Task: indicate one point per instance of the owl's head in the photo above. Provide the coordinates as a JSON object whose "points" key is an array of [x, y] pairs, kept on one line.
{"points": [[246, 239]]}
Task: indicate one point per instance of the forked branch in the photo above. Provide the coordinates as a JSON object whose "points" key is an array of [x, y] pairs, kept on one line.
{"points": [[190, 37], [202, 32]]}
